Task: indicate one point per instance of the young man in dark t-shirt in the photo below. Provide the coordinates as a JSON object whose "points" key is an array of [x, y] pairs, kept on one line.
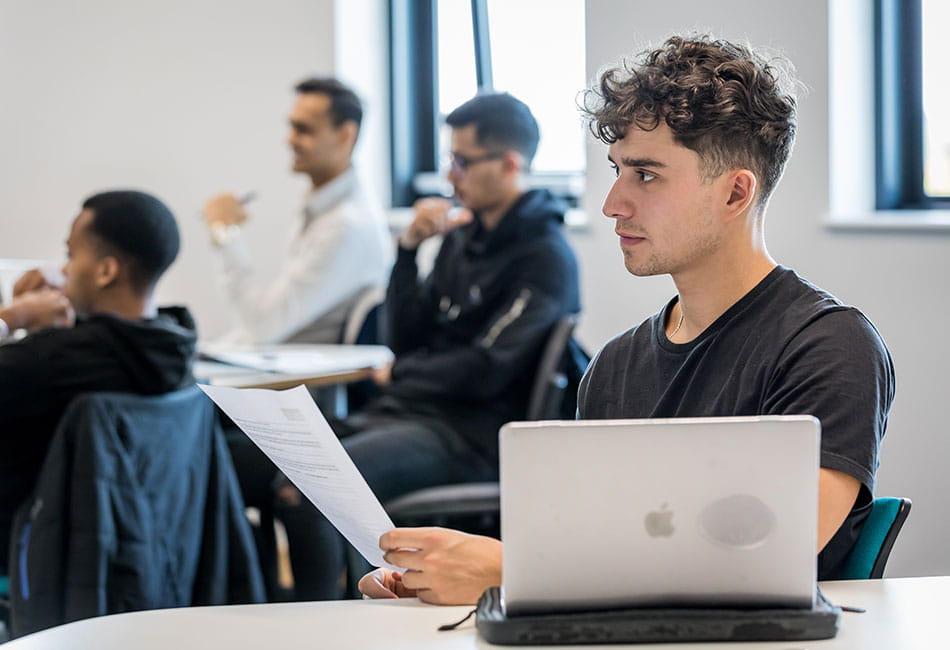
{"points": [[785, 348], [699, 132]]}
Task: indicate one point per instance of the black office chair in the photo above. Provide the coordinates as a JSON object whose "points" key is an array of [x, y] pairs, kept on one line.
{"points": [[364, 326], [136, 507], [363, 322], [474, 507]]}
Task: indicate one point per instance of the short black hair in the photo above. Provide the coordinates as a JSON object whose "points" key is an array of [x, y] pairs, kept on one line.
{"points": [[137, 228], [500, 120], [345, 105]]}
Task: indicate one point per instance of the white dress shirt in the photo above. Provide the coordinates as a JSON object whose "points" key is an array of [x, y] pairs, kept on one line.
{"points": [[342, 245]]}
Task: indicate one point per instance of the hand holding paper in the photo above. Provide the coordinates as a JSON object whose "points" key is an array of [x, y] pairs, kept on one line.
{"points": [[291, 431]]}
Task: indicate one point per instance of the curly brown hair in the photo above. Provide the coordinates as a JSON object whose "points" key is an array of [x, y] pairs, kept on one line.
{"points": [[730, 105]]}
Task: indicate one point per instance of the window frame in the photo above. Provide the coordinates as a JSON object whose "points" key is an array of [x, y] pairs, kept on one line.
{"points": [[414, 102], [413, 78], [899, 116]]}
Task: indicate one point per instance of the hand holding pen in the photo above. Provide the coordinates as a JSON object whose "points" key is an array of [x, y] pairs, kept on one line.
{"points": [[227, 209]]}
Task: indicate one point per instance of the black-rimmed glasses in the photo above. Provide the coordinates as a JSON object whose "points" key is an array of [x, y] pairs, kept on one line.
{"points": [[460, 163]]}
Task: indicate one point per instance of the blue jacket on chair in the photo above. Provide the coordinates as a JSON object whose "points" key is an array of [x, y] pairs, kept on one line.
{"points": [[137, 507]]}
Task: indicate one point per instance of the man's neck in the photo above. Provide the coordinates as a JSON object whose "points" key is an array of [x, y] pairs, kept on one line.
{"points": [[492, 216], [319, 181], [707, 292], [130, 307]]}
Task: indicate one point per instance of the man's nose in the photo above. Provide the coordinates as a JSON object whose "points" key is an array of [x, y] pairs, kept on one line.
{"points": [[452, 174], [615, 205]]}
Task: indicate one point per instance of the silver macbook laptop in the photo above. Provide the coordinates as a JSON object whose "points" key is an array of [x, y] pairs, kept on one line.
{"points": [[678, 512]]}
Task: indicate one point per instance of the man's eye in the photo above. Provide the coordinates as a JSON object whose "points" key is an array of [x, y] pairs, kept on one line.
{"points": [[615, 169], [646, 177]]}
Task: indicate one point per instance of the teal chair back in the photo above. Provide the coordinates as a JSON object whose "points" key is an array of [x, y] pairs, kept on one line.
{"points": [[870, 552], [4, 609]]}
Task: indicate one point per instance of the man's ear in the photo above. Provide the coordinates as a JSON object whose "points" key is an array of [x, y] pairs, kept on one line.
{"points": [[107, 271], [742, 189], [513, 162], [348, 132]]}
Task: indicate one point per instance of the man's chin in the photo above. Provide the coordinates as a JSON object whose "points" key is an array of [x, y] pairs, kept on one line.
{"points": [[462, 202], [642, 271]]}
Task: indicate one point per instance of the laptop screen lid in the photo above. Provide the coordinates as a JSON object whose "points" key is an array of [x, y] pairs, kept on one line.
{"points": [[662, 512]]}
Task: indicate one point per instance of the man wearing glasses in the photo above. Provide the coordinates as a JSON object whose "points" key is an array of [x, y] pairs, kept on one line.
{"points": [[466, 338]]}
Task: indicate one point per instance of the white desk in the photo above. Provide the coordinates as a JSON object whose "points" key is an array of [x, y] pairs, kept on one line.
{"points": [[285, 366], [902, 614], [327, 368]]}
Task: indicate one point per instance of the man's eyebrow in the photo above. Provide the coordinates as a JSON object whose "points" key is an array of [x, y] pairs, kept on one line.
{"points": [[641, 162]]}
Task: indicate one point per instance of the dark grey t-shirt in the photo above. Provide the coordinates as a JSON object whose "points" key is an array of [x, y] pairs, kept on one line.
{"points": [[785, 348]]}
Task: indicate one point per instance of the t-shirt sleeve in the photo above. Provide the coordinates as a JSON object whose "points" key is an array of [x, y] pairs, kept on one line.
{"points": [[838, 369], [589, 393]]}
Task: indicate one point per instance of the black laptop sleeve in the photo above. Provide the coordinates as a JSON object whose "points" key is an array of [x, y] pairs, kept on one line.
{"points": [[646, 625]]}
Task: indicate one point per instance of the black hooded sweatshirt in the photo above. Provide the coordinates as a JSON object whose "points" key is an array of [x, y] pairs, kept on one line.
{"points": [[468, 338], [41, 373]]}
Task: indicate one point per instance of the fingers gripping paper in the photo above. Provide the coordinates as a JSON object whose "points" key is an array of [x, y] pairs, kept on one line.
{"points": [[292, 431]]}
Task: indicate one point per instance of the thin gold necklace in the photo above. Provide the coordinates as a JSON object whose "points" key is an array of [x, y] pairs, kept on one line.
{"points": [[678, 325]]}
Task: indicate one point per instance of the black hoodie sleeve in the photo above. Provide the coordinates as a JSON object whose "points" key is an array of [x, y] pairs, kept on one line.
{"points": [[410, 305], [25, 379], [509, 342], [42, 372]]}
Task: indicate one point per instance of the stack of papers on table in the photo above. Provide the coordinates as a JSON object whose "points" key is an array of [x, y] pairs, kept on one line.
{"points": [[299, 358]]}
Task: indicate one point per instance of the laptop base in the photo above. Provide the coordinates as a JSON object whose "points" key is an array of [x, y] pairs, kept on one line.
{"points": [[646, 625]]}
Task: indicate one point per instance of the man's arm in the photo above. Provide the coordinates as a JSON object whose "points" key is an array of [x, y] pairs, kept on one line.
{"points": [[838, 369], [39, 308], [443, 567], [410, 305], [502, 350], [837, 494], [327, 266], [540, 290]]}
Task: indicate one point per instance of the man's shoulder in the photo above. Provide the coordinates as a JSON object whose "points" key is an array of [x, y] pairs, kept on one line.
{"points": [[617, 351], [803, 307], [42, 351]]}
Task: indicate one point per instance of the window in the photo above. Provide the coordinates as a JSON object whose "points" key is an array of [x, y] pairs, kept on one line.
{"points": [[444, 51], [913, 105], [936, 98]]}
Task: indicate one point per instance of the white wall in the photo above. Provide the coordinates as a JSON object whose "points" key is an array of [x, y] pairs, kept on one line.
{"points": [[897, 278], [177, 97]]}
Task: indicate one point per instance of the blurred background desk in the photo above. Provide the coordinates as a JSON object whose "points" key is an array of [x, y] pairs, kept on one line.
{"points": [[327, 368], [901, 613]]}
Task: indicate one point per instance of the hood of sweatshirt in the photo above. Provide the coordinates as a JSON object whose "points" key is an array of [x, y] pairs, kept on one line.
{"points": [[156, 354]]}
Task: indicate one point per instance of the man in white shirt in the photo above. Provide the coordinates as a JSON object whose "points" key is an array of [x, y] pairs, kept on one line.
{"points": [[339, 247]]}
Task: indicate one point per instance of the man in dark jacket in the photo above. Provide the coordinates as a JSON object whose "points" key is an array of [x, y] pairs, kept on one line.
{"points": [[467, 339], [119, 246]]}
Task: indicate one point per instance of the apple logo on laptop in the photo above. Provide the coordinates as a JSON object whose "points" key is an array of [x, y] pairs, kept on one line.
{"points": [[659, 523]]}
